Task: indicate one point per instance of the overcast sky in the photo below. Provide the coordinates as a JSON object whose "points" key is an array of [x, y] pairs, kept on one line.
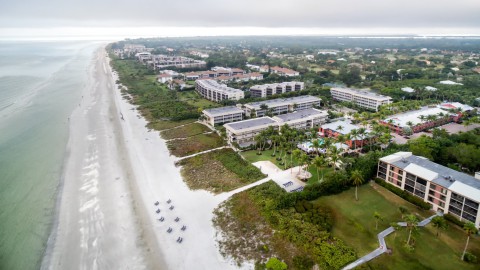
{"points": [[358, 16]]}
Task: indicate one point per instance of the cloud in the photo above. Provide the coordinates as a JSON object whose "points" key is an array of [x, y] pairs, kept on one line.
{"points": [[245, 13]]}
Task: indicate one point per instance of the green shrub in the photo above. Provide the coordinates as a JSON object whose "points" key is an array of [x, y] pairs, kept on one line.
{"points": [[454, 220], [404, 194], [470, 258], [303, 263], [234, 163]]}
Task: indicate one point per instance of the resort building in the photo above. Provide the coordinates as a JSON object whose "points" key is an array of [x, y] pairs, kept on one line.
{"points": [[212, 90], [244, 132], [266, 90], [281, 105], [426, 118], [304, 119], [223, 115], [224, 75], [447, 190], [364, 99], [338, 128], [284, 71]]}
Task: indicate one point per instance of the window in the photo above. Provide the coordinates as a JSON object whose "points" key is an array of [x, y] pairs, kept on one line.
{"points": [[433, 186]]}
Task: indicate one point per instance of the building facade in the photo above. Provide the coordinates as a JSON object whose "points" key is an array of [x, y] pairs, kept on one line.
{"points": [[280, 105], [304, 119], [217, 116], [284, 71], [447, 190], [361, 98], [338, 128], [212, 90], [266, 90], [244, 132]]}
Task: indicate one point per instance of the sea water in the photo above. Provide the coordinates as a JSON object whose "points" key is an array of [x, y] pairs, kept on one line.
{"points": [[40, 85]]}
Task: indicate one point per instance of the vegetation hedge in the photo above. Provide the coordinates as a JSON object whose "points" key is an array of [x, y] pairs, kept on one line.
{"points": [[454, 220], [404, 194], [234, 163]]}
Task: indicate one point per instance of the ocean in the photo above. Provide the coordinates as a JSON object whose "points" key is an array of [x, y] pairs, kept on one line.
{"points": [[40, 85]]}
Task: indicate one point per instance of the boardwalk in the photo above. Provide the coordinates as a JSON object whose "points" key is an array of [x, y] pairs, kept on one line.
{"points": [[383, 246]]}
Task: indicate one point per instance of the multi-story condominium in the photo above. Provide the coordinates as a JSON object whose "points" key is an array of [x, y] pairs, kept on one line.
{"points": [[338, 128], [244, 132], [252, 76], [447, 190], [212, 90], [362, 98], [280, 105], [284, 71], [303, 119], [266, 90], [223, 115]]}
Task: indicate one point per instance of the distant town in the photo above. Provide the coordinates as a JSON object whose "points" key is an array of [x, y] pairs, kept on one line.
{"points": [[356, 137]]}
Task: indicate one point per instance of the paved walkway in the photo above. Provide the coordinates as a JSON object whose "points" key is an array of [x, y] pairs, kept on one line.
{"points": [[383, 245]]}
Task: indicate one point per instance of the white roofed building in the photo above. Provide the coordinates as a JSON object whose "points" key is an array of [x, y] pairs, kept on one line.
{"points": [[266, 90], [223, 115], [362, 98], [212, 90], [447, 190]]}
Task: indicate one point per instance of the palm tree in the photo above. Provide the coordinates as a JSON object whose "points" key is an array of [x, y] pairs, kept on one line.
{"points": [[439, 223], [304, 162], [316, 145], [412, 222], [378, 218], [340, 128], [362, 132], [318, 162], [354, 135], [334, 155], [470, 229], [396, 227], [402, 210], [296, 154], [357, 179]]}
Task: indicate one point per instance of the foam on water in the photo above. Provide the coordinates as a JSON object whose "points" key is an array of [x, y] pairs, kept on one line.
{"points": [[40, 85]]}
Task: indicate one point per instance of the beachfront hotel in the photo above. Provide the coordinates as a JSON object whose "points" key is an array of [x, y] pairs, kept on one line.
{"points": [[426, 118], [217, 116], [361, 98], [266, 90], [447, 190], [281, 105], [338, 128], [244, 132], [212, 90]]}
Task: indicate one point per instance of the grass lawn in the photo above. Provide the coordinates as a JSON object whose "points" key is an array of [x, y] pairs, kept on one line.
{"points": [[193, 98], [354, 223], [195, 144], [218, 171], [162, 125], [184, 131]]}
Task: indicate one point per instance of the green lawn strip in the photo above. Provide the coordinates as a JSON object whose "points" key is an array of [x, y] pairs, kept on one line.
{"points": [[252, 156], [162, 125], [184, 131], [355, 224], [219, 171], [193, 98], [195, 144]]}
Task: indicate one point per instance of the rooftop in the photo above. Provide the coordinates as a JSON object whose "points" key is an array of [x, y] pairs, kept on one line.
{"points": [[283, 101], [402, 119], [363, 93], [347, 127], [223, 110], [299, 115], [218, 86], [246, 124], [457, 181]]}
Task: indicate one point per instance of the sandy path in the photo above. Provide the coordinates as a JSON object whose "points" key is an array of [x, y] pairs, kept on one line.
{"points": [[97, 226]]}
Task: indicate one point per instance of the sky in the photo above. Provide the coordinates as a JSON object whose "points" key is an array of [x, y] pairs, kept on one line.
{"points": [[35, 18]]}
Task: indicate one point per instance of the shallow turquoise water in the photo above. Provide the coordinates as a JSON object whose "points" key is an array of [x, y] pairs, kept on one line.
{"points": [[40, 85]]}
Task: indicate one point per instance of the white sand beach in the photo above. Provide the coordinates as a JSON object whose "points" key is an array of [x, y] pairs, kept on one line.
{"points": [[114, 172]]}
